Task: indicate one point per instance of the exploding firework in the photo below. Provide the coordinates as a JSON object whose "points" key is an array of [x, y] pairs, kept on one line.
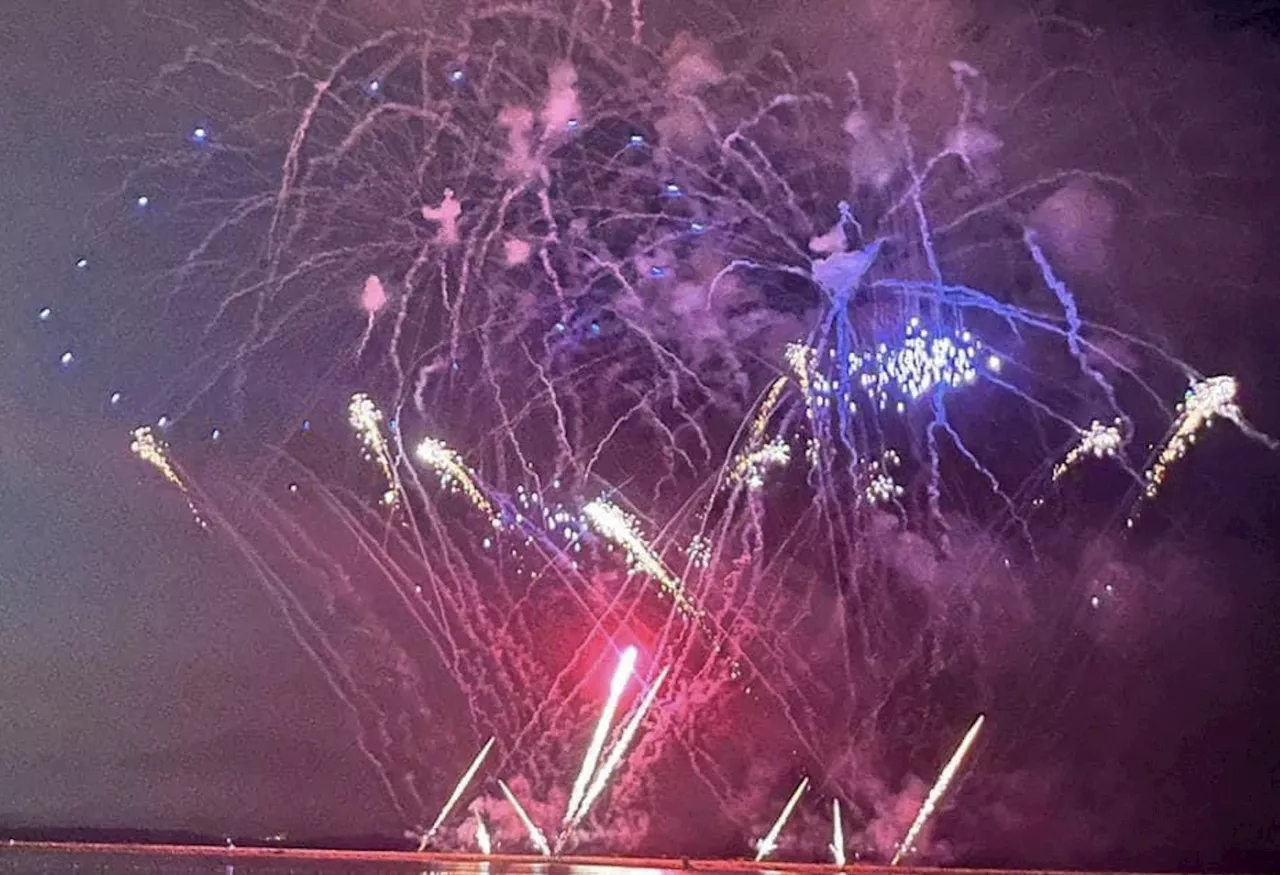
{"points": [[601, 259], [155, 452]]}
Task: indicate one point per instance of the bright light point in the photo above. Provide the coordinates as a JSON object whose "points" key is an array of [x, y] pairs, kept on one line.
{"points": [[45, 314], [373, 86], [67, 358], [1095, 601], [993, 363], [306, 425], [635, 141], [163, 422], [457, 76], [199, 135], [82, 263], [293, 487], [143, 200], [216, 434], [573, 124], [698, 227], [672, 190], [115, 398]]}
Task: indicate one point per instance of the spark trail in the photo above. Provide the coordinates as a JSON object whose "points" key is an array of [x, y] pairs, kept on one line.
{"points": [[365, 417], [456, 794], [535, 835], [937, 791], [155, 452], [483, 841], [453, 472], [622, 674], [769, 843], [617, 526]]}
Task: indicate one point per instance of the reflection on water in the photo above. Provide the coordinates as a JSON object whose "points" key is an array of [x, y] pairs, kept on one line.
{"points": [[19, 862]]}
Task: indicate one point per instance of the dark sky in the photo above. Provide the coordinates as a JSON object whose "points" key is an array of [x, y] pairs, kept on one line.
{"points": [[147, 681]]}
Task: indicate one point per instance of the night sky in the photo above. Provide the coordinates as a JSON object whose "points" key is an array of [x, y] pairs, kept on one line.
{"points": [[146, 680]]}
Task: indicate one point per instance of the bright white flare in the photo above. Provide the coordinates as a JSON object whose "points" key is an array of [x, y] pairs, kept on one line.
{"points": [[456, 794], [482, 835], [535, 835], [626, 665], [837, 834], [766, 845], [620, 747], [939, 789]]}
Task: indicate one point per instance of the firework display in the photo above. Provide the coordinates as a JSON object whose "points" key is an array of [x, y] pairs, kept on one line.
{"points": [[599, 258]]}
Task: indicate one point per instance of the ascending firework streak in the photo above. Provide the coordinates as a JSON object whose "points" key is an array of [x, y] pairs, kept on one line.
{"points": [[620, 747], [837, 834], [455, 795], [535, 834], [365, 417], [622, 674], [150, 449], [482, 835], [610, 521], [766, 845], [938, 790], [767, 406], [453, 471]]}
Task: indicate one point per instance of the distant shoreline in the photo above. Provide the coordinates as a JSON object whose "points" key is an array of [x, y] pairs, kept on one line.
{"points": [[507, 861]]}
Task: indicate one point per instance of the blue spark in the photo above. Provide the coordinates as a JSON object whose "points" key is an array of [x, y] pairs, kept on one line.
{"points": [[199, 134], [306, 425], [457, 76], [657, 271], [115, 398], [45, 314], [373, 87], [143, 201], [635, 141], [216, 434], [672, 190], [82, 263], [67, 358]]}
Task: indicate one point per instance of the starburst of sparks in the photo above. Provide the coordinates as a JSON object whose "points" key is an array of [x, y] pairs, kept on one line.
{"points": [[454, 473], [619, 527], [1098, 441], [769, 843], [749, 469], [1204, 402], [365, 417], [155, 452], [881, 488], [938, 790]]}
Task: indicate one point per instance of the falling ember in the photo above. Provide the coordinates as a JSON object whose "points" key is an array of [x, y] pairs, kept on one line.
{"points": [[456, 794], [438, 456], [155, 452], [937, 791], [620, 747], [610, 521], [766, 845], [482, 835], [365, 417], [837, 834], [535, 835], [803, 362], [1204, 401], [626, 665], [1099, 441], [881, 488]]}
